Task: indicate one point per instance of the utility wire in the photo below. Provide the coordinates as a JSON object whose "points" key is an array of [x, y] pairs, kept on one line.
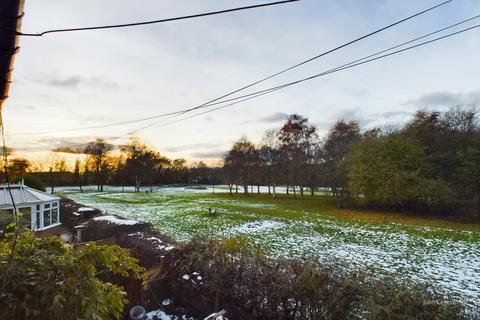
{"points": [[15, 217], [321, 55], [352, 64], [342, 67], [237, 100], [334, 70], [135, 24], [211, 102], [76, 147], [5, 167]]}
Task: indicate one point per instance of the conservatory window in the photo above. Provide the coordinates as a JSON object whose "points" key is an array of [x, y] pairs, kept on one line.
{"points": [[46, 217], [54, 216], [37, 218]]}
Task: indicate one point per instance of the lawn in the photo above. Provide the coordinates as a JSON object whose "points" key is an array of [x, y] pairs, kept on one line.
{"points": [[439, 252]]}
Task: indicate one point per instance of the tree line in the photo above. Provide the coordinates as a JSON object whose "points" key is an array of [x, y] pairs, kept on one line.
{"points": [[133, 164], [429, 164]]}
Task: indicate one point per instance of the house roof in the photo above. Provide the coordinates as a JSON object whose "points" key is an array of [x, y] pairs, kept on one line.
{"points": [[23, 195], [11, 13]]}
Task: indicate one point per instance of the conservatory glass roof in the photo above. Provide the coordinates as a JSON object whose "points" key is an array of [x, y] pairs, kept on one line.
{"points": [[23, 195]]}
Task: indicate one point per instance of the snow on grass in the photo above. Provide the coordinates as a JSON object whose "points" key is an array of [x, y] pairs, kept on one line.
{"points": [[115, 220], [445, 257], [256, 226]]}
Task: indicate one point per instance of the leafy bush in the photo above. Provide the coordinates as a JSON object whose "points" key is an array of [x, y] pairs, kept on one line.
{"points": [[235, 275], [393, 172], [388, 298], [44, 279]]}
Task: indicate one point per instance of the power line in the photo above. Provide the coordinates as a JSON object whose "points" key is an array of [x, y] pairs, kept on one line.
{"points": [[242, 99], [15, 214], [135, 24], [334, 70], [75, 147], [322, 54], [342, 67], [352, 64], [214, 101]]}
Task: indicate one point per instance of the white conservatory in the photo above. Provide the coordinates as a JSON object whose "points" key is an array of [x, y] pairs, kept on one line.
{"points": [[37, 210]]}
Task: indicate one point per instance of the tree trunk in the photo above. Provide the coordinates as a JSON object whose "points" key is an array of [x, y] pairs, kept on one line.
{"points": [[274, 190], [294, 192], [245, 189], [341, 198], [236, 189], [336, 195], [303, 199], [269, 189], [287, 189], [312, 191], [258, 189]]}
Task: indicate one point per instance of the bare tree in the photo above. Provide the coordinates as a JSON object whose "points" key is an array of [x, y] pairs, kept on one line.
{"points": [[97, 152], [241, 161], [269, 154], [77, 175], [143, 164], [297, 138], [337, 144]]}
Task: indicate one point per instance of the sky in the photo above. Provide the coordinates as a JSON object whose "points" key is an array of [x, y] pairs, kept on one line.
{"points": [[72, 80]]}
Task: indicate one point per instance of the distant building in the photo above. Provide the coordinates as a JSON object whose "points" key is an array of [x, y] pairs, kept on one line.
{"points": [[37, 210]]}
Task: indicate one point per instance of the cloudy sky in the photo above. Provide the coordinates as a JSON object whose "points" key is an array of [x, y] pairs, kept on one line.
{"points": [[71, 80]]}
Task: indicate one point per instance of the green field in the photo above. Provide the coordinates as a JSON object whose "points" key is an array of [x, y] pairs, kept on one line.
{"points": [[438, 252]]}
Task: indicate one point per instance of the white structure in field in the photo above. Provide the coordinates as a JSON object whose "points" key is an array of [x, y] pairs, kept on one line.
{"points": [[37, 210]]}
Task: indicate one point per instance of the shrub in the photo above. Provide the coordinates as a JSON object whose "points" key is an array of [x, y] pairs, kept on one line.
{"points": [[43, 279], [393, 172], [235, 275]]}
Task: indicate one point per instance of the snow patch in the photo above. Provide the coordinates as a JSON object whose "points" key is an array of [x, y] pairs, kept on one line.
{"points": [[256, 226], [115, 220]]}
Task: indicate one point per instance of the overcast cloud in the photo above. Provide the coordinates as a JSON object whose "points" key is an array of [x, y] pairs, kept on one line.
{"points": [[446, 99]]}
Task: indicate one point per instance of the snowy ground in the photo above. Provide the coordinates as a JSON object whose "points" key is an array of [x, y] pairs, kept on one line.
{"points": [[448, 258]]}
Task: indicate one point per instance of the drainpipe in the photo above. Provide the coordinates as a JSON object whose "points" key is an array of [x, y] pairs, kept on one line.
{"points": [[11, 14]]}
